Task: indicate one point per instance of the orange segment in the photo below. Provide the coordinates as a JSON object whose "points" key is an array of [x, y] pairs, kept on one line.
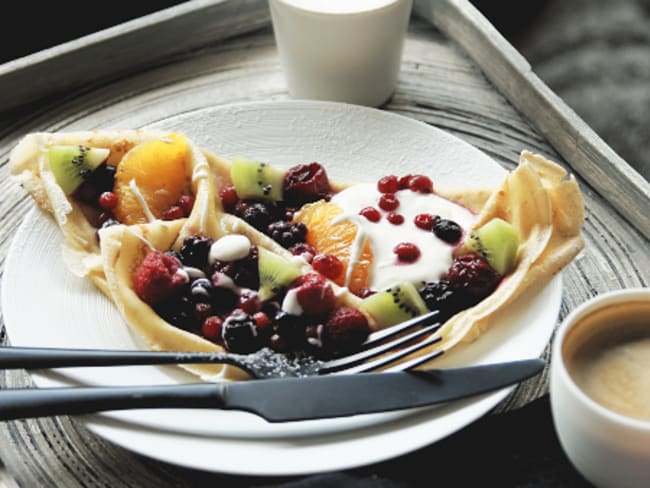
{"points": [[337, 239], [158, 169]]}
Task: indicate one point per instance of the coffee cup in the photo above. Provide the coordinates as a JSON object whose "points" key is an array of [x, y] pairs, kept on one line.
{"points": [[341, 50], [600, 388]]}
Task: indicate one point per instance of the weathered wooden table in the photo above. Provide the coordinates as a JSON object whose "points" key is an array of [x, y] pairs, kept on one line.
{"points": [[458, 74]]}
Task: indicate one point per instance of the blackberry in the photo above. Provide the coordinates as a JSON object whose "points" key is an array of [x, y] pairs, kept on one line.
{"points": [[239, 333], [287, 234], [103, 178], [473, 275], [257, 214], [447, 230], [290, 327], [195, 250], [179, 311], [439, 295]]}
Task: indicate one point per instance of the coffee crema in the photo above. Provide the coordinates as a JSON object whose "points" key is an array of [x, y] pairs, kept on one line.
{"points": [[607, 354]]}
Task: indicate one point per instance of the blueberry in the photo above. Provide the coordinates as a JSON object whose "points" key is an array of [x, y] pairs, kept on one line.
{"points": [[195, 250], [257, 214], [287, 234], [290, 327], [239, 333], [447, 230]]}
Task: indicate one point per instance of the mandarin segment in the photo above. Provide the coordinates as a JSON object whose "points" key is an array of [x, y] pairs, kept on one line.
{"points": [[158, 168], [329, 236]]}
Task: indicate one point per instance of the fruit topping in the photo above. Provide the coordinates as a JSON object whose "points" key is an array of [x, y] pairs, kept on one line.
{"points": [[150, 179], [407, 252], [328, 265], [498, 242], [108, 200], [473, 275], [255, 180], [275, 274], [388, 184], [345, 330], [388, 202], [394, 305], [425, 221], [420, 184], [447, 230], [395, 218], [257, 214], [315, 295], [305, 183], [304, 250], [229, 197], [242, 273], [441, 296], [72, 165], [158, 277], [239, 333], [211, 328], [371, 214], [195, 250], [286, 233]]}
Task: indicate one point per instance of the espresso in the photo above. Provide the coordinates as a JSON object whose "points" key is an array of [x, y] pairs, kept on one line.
{"points": [[608, 356]]}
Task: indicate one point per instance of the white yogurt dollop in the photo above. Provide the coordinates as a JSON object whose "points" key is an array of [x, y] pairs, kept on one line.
{"points": [[435, 254], [229, 248]]}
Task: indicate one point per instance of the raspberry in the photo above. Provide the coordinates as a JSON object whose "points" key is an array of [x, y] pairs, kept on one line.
{"points": [[395, 218], [328, 265], [388, 184], [421, 184], [156, 279], [388, 202], [425, 221], [439, 295], [473, 275], [305, 183], [287, 234], [447, 230], [407, 252], [228, 196], [194, 251], [239, 333], [212, 328], [370, 213], [108, 200], [315, 295], [345, 330]]}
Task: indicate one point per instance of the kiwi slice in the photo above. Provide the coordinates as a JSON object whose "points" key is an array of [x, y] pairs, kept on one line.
{"points": [[253, 179], [276, 273], [71, 165], [498, 242], [394, 305]]}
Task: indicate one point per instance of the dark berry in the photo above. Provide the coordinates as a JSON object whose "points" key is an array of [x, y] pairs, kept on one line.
{"points": [[202, 311], [287, 234], [305, 183], [473, 275], [303, 249], [328, 265], [425, 221], [174, 212], [103, 177], [314, 335], [179, 311], [420, 184], [407, 252], [279, 343], [195, 250], [388, 202], [447, 230], [186, 202], [249, 301], [345, 330], [395, 218], [239, 333], [211, 328], [201, 290], [107, 200], [257, 214], [388, 184], [290, 327], [439, 295], [370, 213], [87, 192]]}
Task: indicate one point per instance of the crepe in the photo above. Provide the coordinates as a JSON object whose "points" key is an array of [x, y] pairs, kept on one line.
{"points": [[30, 167]]}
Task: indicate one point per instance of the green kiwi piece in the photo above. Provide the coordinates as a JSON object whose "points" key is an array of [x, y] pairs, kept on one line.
{"points": [[253, 179], [276, 273], [394, 305], [498, 242], [71, 165]]}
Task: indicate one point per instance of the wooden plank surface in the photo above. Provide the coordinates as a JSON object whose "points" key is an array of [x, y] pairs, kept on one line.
{"points": [[439, 84]]}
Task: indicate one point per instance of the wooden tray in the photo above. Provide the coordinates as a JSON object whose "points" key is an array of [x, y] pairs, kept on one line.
{"points": [[458, 74]]}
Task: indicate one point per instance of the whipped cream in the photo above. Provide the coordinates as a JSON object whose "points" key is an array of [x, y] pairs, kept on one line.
{"points": [[435, 254]]}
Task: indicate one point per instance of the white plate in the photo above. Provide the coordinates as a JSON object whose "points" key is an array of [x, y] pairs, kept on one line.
{"points": [[44, 305]]}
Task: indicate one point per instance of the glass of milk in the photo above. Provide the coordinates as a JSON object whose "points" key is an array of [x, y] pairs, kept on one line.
{"points": [[341, 50]]}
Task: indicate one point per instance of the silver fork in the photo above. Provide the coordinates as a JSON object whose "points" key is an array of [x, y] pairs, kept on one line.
{"points": [[381, 349]]}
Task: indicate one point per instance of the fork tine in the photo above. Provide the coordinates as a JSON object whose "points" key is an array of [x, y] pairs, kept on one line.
{"points": [[370, 349]]}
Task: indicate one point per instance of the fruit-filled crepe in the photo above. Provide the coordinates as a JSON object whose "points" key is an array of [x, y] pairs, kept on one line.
{"points": [[94, 179], [405, 247]]}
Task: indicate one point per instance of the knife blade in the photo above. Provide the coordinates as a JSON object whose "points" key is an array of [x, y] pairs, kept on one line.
{"points": [[279, 399]]}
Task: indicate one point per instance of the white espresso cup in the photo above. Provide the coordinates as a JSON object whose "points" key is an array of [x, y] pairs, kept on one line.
{"points": [[600, 388], [341, 50]]}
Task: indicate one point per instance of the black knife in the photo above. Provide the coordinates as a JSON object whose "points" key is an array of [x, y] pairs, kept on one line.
{"points": [[278, 399]]}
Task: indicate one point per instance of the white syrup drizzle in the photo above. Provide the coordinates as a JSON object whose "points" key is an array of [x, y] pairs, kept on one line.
{"points": [[140, 198]]}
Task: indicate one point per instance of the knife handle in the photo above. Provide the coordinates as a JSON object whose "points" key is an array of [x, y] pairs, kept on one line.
{"points": [[43, 402]]}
